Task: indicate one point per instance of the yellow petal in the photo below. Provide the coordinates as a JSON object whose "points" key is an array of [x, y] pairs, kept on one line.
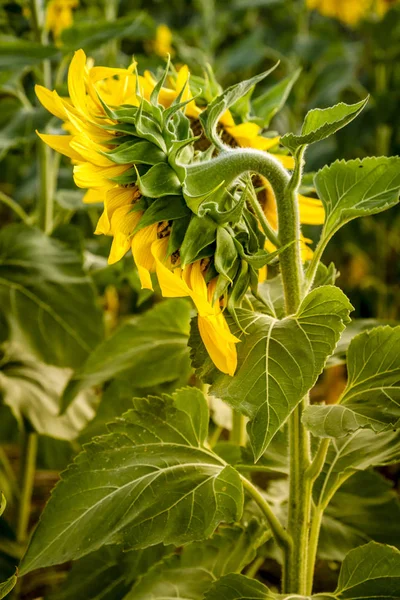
{"points": [[171, 283], [198, 287], [285, 160], [94, 196], [263, 143], [61, 144], [119, 247], [244, 130], [51, 102], [90, 151], [311, 211], [226, 119], [76, 82], [87, 175], [142, 243], [213, 330]]}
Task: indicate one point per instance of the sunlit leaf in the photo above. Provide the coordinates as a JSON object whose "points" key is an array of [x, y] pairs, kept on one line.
{"points": [[321, 123], [151, 480], [357, 188], [279, 361], [372, 395]]}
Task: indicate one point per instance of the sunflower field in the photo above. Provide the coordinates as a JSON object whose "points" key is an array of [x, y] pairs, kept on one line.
{"points": [[199, 299]]}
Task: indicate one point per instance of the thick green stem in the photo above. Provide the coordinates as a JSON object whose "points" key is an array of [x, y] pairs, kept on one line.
{"points": [[28, 468], [238, 433], [280, 534], [294, 541], [300, 486]]}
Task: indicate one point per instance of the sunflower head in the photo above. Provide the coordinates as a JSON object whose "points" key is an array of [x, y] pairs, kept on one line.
{"points": [[131, 140]]}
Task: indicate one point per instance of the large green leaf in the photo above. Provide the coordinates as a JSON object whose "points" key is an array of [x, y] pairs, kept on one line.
{"points": [[371, 571], [321, 123], [189, 574], [279, 361], [372, 395], [210, 116], [33, 389], [46, 298], [357, 188], [356, 452], [107, 574], [151, 480], [273, 99], [150, 348], [366, 508]]}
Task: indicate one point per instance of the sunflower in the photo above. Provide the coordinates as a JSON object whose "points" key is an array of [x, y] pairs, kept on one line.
{"points": [[108, 149], [130, 140]]}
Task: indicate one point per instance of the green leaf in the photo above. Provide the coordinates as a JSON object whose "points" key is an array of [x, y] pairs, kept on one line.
{"points": [[354, 328], [159, 181], [48, 301], [372, 394], [279, 361], [357, 188], [201, 232], [321, 123], [189, 574], [209, 118], [357, 452], [274, 98], [107, 574], [370, 571], [94, 33], [150, 481], [167, 208], [33, 389], [150, 349], [16, 53], [136, 151], [7, 586], [365, 508], [239, 587]]}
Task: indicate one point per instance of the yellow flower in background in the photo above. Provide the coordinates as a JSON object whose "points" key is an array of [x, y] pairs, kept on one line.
{"points": [[349, 12], [59, 16], [162, 45], [382, 6]]}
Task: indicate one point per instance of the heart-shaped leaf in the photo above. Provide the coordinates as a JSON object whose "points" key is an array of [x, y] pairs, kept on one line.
{"points": [[151, 480]]}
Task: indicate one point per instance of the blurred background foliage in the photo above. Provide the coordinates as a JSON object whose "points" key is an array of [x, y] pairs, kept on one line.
{"points": [[68, 321]]}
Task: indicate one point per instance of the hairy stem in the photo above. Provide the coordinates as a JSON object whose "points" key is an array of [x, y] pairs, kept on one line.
{"points": [[313, 546], [280, 534]]}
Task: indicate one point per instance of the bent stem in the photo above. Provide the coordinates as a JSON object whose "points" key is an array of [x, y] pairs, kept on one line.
{"points": [[280, 534]]}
